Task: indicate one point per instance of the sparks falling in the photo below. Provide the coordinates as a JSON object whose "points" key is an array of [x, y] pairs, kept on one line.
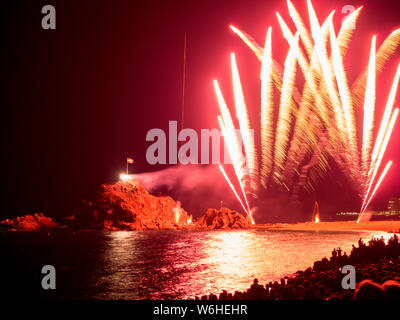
{"points": [[315, 124]]}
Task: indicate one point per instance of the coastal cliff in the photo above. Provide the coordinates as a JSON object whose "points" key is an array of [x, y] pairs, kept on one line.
{"points": [[127, 205]]}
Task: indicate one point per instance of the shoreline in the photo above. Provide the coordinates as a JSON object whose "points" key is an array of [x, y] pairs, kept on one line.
{"points": [[392, 226], [39, 222]]}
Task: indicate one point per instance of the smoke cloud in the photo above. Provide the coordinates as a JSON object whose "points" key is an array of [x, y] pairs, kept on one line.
{"points": [[198, 187]]}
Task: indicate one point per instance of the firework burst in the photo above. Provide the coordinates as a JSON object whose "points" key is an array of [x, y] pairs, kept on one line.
{"points": [[314, 124]]}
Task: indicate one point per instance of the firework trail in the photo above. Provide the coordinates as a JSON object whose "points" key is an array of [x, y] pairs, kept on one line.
{"points": [[344, 92], [385, 171], [316, 124], [382, 149], [284, 118], [244, 123], [385, 120], [231, 140], [232, 187], [267, 110], [369, 110]]}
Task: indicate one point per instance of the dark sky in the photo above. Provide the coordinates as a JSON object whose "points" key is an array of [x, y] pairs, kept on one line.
{"points": [[81, 98]]}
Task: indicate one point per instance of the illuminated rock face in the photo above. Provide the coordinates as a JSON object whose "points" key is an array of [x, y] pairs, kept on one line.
{"points": [[35, 222], [223, 219], [126, 205]]}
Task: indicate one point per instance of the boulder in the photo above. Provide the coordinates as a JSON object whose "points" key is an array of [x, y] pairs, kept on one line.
{"points": [[35, 222], [223, 218]]}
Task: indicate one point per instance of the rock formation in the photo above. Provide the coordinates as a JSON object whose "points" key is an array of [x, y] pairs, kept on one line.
{"points": [[223, 219], [126, 205], [35, 222]]}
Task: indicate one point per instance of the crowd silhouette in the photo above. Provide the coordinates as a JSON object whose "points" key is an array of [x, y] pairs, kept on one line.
{"points": [[377, 266]]}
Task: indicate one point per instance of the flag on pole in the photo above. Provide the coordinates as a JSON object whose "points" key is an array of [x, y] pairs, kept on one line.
{"points": [[129, 160]]}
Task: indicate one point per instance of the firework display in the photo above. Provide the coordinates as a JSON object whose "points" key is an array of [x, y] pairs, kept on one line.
{"points": [[147, 164]]}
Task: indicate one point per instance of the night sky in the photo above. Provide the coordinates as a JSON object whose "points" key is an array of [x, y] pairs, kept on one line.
{"points": [[79, 99]]}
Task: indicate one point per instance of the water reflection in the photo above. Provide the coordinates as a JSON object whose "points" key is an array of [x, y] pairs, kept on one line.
{"points": [[177, 265]]}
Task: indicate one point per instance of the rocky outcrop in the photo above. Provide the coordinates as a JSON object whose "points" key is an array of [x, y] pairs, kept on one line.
{"points": [[35, 222], [126, 205], [223, 218]]}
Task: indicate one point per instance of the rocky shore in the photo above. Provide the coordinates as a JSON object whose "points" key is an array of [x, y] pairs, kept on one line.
{"points": [[127, 205], [34, 222]]}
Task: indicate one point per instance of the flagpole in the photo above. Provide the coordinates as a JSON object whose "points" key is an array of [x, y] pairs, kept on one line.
{"points": [[183, 81]]}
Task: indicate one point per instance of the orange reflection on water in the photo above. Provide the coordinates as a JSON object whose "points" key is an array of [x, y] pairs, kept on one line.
{"points": [[235, 259], [385, 235], [185, 264]]}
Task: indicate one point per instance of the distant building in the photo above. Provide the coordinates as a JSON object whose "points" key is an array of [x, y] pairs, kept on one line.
{"points": [[393, 209], [394, 206], [347, 213]]}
